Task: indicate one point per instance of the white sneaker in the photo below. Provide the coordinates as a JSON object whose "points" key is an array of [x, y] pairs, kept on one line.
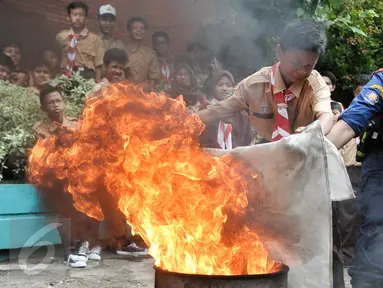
{"points": [[83, 251], [95, 253], [76, 261]]}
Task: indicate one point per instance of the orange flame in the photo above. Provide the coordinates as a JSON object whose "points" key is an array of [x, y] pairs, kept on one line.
{"points": [[143, 149]]}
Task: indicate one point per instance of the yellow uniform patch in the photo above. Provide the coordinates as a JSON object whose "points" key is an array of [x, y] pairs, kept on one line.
{"points": [[371, 97], [378, 87]]}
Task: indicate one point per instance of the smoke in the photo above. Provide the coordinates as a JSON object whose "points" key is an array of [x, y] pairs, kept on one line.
{"points": [[243, 33]]}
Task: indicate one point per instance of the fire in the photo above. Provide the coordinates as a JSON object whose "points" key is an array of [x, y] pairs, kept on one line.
{"points": [[142, 149]]}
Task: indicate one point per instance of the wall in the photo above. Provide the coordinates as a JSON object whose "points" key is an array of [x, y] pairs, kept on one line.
{"points": [[34, 23]]}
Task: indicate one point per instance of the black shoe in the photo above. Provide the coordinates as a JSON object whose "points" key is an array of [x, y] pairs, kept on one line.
{"points": [[132, 250]]}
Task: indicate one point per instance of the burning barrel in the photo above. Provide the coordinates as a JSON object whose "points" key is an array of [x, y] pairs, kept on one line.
{"points": [[166, 279]]}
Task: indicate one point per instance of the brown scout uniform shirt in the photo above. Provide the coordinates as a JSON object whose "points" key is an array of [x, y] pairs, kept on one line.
{"points": [[46, 128], [89, 49], [143, 64], [112, 43], [254, 94]]}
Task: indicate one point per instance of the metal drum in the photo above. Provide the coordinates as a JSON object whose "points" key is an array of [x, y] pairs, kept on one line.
{"points": [[166, 279]]}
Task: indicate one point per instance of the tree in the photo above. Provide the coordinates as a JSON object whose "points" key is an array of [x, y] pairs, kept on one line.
{"points": [[355, 41]]}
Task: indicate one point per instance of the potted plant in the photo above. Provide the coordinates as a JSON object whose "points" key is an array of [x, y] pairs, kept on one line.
{"points": [[20, 202]]}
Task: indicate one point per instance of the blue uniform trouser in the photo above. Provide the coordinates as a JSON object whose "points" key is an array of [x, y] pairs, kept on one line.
{"points": [[367, 268]]}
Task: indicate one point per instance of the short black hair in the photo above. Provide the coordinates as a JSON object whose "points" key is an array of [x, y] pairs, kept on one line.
{"points": [[47, 89], [304, 35], [12, 44], [196, 45], [362, 80], [22, 71], [115, 54], [330, 75], [40, 64], [336, 106], [160, 34], [7, 61], [133, 20], [78, 4]]}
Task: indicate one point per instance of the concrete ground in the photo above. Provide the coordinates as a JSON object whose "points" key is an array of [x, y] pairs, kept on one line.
{"points": [[113, 271]]}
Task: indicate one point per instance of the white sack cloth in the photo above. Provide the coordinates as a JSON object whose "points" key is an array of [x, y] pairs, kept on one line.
{"points": [[294, 218]]}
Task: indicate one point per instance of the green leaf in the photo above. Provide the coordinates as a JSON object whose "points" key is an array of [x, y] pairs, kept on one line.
{"points": [[300, 12], [336, 3], [20, 110], [358, 31]]}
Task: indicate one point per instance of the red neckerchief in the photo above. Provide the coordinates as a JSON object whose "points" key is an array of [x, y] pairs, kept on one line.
{"points": [[282, 126], [71, 56], [227, 131]]}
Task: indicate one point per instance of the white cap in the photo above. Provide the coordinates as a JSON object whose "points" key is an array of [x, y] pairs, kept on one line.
{"points": [[107, 9]]}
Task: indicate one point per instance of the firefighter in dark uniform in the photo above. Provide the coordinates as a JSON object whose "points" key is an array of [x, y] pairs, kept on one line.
{"points": [[365, 117]]}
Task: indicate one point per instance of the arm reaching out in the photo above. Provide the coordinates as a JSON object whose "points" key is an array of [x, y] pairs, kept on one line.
{"points": [[341, 134], [228, 107]]}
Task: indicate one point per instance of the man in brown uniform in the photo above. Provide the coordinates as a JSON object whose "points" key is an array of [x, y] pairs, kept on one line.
{"points": [[107, 21], [143, 67], [285, 98], [80, 49], [305, 95]]}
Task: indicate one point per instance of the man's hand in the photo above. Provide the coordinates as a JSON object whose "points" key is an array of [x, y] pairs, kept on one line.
{"points": [[300, 129]]}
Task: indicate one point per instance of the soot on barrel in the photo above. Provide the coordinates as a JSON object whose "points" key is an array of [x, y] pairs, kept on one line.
{"points": [[166, 279]]}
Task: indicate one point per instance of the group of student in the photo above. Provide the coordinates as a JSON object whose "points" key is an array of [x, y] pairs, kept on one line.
{"points": [[266, 106]]}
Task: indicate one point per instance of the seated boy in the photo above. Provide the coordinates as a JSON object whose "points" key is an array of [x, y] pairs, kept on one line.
{"points": [[50, 57], [81, 50], [6, 67], [20, 78], [115, 61], [40, 74], [52, 103]]}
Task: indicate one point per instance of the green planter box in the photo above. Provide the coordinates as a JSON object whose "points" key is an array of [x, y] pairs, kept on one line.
{"points": [[24, 221]]}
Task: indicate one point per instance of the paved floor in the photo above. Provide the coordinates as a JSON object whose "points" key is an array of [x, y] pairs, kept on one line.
{"points": [[113, 271]]}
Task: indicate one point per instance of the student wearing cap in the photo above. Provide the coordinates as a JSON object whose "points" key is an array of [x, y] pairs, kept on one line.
{"points": [[107, 21], [143, 67], [81, 50]]}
